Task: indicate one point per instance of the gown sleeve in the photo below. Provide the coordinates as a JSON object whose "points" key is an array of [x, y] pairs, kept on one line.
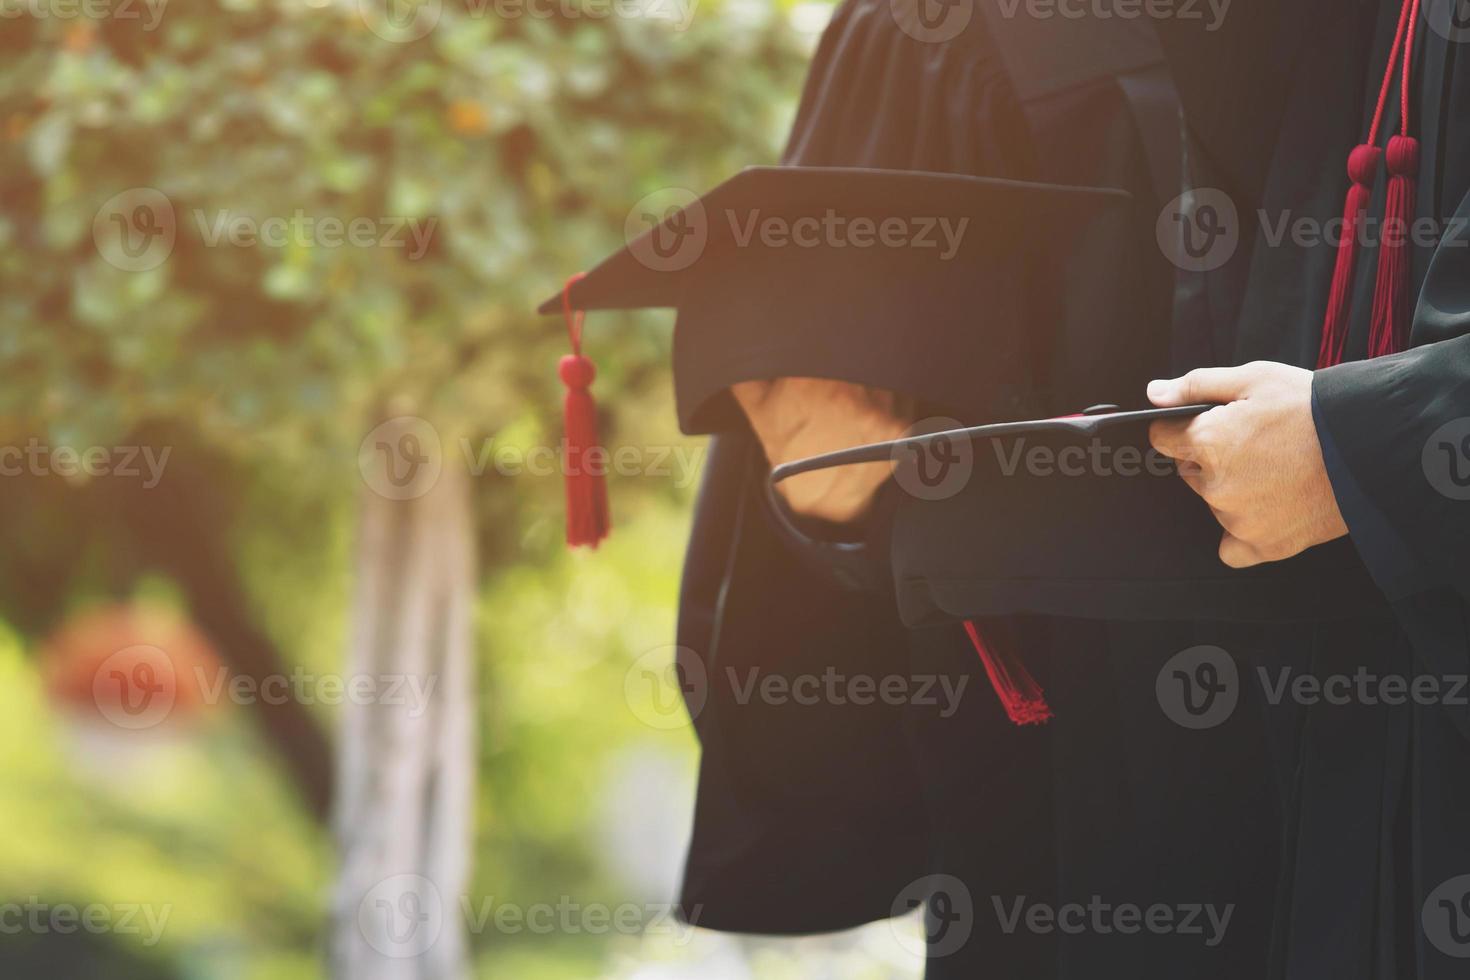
{"points": [[1396, 438]]}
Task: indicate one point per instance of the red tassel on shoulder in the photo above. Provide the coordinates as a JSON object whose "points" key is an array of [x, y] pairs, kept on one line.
{"points": [[1389, 332], [1018, 691], [1389, 328], [1362, 169], [588, 518]]}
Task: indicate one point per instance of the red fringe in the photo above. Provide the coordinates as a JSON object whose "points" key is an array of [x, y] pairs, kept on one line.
{"points": [[588, 520], [1389, 330], [1362, 167], [1018, 691]]}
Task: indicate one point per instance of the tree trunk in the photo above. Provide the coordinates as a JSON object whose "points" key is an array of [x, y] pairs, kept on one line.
{"points": [[406, 770], [182, 527]]}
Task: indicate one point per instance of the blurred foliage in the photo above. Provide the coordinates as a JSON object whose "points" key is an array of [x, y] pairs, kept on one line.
{"points": [[524, 140]]}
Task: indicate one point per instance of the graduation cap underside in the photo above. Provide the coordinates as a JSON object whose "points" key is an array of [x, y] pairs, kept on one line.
{"points": [[984, 298]]}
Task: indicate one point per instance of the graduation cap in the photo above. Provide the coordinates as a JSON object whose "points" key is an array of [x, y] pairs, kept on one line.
{"points": [[984, 299]]}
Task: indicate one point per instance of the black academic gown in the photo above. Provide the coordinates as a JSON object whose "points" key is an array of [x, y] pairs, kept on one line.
{"points": [[1324, 828]]}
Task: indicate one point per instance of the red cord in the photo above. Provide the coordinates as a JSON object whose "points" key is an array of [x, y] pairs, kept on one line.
{"points": [[1393, 57], [1413, 7], [574, 317]]}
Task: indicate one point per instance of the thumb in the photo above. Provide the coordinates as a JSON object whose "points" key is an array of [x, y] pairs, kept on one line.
{"points": [[1202, 385]]}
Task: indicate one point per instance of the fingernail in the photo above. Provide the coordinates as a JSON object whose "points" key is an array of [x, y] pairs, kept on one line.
{"points": [[1157, 388]]}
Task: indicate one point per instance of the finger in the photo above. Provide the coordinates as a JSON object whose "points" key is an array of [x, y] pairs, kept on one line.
{"points": [[1202, 385], [1236, 553], [1171, 437]]}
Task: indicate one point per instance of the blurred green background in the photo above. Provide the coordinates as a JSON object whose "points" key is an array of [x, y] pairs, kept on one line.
{"points": [[521, 136]]}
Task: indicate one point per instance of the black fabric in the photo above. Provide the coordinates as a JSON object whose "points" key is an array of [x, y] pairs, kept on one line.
{"points": [[1231, 73], [785, 790], [1101, 528]]}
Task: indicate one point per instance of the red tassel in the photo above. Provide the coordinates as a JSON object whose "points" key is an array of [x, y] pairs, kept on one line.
{"points": [[1389, 332], [1018, 691], [587, 514], [588, 519], [1389, 320], [1362, 168]]}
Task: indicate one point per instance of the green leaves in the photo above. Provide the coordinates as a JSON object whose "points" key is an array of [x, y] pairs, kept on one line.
{"points": [[523, 137]]}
